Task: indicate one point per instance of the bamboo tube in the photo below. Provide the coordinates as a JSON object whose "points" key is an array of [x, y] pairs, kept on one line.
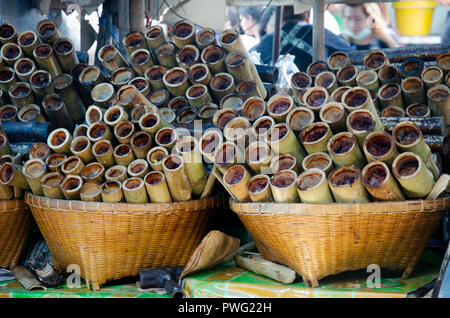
{"points": [[141, 142], [142, 84], [8, 33], [390, 95], [199, 74], [111, 58], [121, 76], [166, 54], [91, 192], [123, 131], [338, 60], [39, 150], [55, 161], [155, 36], [235, 180], [237, 65], [46, 60], [312, 187], [137, 112], [24, 68], [8, 113], [414, 178], [176, 177], [123, 154], [221, 85], [246, 89], [187, 56], [223, 117], [34, 170], [138, 168], [359, 98], [3, 98], [327, 80], [315, 97], [183, 33], [254, 107], [198, 95], [315, 68], [57, 112], [375, 60], [447, 80], [281, 139], [258, 157], [279, 106], [283, 187], [417, 110], [389, 74], [59, 140], [80, 130], [413, 90], [439, 102], [214, 57], [42, 84], [379, 182], [187, 115], [48, 31], [65, 53], [103, 95], [4, 145], [134, 41], [93, 172], [261, 127], [233, 101], [94, 114], [156, 156], [380, 146], [314, 137], [205, 37], [409, 138], [72, 165], [21, 94], [63, 85], [99, 131], [368, 79], [300, 117], [431, 76], [319, 160], [176, 81], [169, 114], [299, 82], [412, 66], [282, 162], [166, 137], [81, 147], [82, 91], [207, 112], [51, 185], [333, 114], [443, 61], [7, 78], [116, 173], [344, 150], [346, 76], [362, 122], [188, 148], [209, 142], [238, 131], [177, 103], [6, 192], [11, 53], [141, 60], [346, 185], [156, 186], [71, 187], [11, 175], [114, 115], [393, 111], [91, 76], [112, 191], [103, 153], [226, 155], [150, 123]]}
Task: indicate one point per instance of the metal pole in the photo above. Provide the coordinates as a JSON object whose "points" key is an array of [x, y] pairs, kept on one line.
{"points": [[318, 30], [277, 35]]}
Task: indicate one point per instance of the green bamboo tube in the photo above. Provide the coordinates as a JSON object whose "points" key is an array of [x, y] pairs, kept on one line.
{"points": [[55, 161], [346, 185], [393, 111], [57, 112], [443, 61], [380, 146], [93, 172], [413, 90], [206, 113], [90, 77], [114, 115], [254, 107], [63, 85], [157, 188], [166, 54], [344, 150], [346, 76], [141, 60], [319, 160], [138, 168], [285, 161], [8, 113], [123, 154], [4, 145], [334, 115], [414, 178], [156, 156], [46, 60], [235, 180], [390, 95], [327, 80], [279, 106], [314, 137], [111, 58], [205, 37], [24, 68], [358, 98], [34, 170], [227, 154], [238, 131], [65, 53], [134, 41], [315, 98], [48, 31], [187, 56], [183, 33], [99, 131], [368, 79], [71, 187], [21, 94], [155, 36], [123, 131], [300, 117], [11, 53], [408, 138], [281, 139], [103, 153], [312, 187], [72, 165], [337, 60], [379, 182], [258, 157], [177, 179], [116, 173], [199, 74], [8, 33], [166, 137], [159, 97], [103, 95], [39, 150], [42, 84], [81, 147], [11, 175], [51, 185], [439, 101], [258, 188], [141, 142], [198, 95], [112, 191], [432, 75], [375, 60], [94, 114], [80, 130], [188, 148], [209, 142], [7, 78], [150, 123], [222, 84], [233, 101], [362, 122], [299, 82], [417, 110], [142, 84], [176, 81], [59, 140], [91, 192], [236, 64], [121, 76], [283, 187]]}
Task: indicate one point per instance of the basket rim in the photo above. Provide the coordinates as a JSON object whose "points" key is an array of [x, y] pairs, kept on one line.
{"points": [[11, 205]]}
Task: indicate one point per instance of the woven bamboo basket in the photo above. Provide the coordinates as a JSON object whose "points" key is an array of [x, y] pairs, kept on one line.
{"points": [[114, 240], [16, 223], [317, 240]]}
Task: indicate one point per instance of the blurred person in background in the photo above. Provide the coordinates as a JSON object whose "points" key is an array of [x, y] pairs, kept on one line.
{"points": [[250, 22], [232, 19], [445, 38], [330, 21]]}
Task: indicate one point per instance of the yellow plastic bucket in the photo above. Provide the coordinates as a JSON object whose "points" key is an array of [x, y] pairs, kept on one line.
{"points": [[413, 18]]}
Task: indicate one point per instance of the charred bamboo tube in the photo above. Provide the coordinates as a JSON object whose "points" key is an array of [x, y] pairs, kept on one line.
{"points": [[205, 37], [428, 125], [198, 95], [414, 178], [176, 177], [65, 53], [7, 78], [368, 79], [258, 157], [46, 60], [183, 33], [327, 80], [380, 146], [8, 113], [281, 139], [71, 187], [159, 97], [362, 122], [82, 91], [8, 33], [206, 113], [337, 60], [34, 170], [412, 66], [114, 115], [123, 132], [344, 150], [223, 117], [409, 138], [51, 185], [300, 117], [346, 76], [112, 191], [199, 74], [141, 142], [91, 76], [80, 130], [333, 114], [157, 188], [166, 137], [57, 112], [94, 114], [142, 84], [99, 131], [238, 131], [431, 76], [156, 156], [312, 187], [40, 150], [359, 98], [258, 188], [315, 68], [232, 100], [247, 89], [283, 187], [375, 60], [11, 53], [209, 142], [141, 60], [93, 172], [72, 165], [123, 154], [63, 85], [121, 77], [48, 31], [103, 153], [413, 90], [55, 161], [176, 81], [59, 140], [188, 148], [155, 36], [42, 84], [187, 56], [111, 58], [81, 147], [150, 123], [11, 175], [261, 127], [439, 102], [417, 110], [346, 185], [299, 82], [254, 107], [134, 41], [24, 68], [91, 192], [166, 54], [315, 137], [138, 168], [116, 173], [235, 180], [319, 160], [393, 111], [315, 98], [222, 84], [228, 154], [379, 182], [279, 106], [284, 161], [4, 145], [21, 94]]}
